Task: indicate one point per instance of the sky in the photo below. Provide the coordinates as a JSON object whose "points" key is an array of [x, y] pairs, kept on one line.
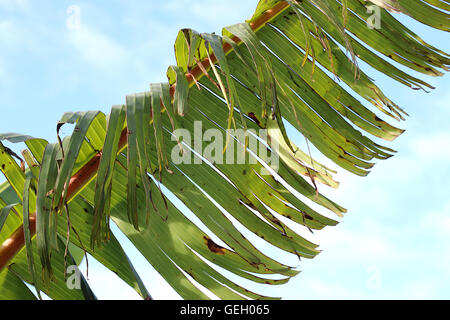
{"points": [[393, 243]]}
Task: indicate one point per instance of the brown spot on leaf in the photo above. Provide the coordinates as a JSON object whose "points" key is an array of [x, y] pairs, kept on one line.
{"points": [[254, 118], [277, 222], [214, 247], [252, 206], [255, 264]]}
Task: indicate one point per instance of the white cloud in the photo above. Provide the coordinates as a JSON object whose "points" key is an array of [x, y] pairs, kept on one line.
{"points": [[313, 288], [98, 49], [419, 290], [10, 34], [438, 220], [434, 146], [15, 4], [364, 246], [220, 13], [2, 71], [6, 38]]}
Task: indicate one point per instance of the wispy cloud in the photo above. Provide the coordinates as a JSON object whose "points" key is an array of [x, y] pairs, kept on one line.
{"points": [[15, 4], [98, 49]]}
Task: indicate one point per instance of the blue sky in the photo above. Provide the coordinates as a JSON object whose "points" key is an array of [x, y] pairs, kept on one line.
{"points": [[394, 242]]}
